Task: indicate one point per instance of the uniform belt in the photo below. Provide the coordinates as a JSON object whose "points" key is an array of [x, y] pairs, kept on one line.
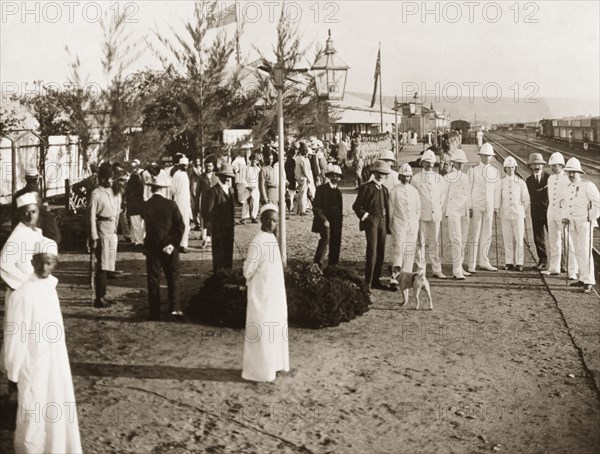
{"points": [[269, 186], [104, 218]]}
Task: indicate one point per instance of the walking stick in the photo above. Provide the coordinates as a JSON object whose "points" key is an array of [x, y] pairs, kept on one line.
{"points": [[92, 270], [591, 256], [566, 241], [496, 229]]}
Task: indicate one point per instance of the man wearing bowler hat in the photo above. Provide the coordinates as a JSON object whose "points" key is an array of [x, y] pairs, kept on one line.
{"points": [[537, 184], [328, 211], [164, 229], [371, 207], [221, 218]]}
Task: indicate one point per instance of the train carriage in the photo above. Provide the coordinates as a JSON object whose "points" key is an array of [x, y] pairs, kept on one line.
{"points": [[583, 130]]}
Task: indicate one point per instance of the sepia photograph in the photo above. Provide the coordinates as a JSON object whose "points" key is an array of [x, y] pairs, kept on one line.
{"points": [[319, 227]]}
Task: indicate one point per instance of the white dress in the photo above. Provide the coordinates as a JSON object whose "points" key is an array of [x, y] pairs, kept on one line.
{"points": [[16, 267], [39, 363], [266, 337]]}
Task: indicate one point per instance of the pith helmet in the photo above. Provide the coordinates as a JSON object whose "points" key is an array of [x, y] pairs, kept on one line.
{"points": [[536, 158], [333, 169], [556, 158], [429, 156], [510, 162], [387, 155], [573, 165], [459, 156], [405, 170], [486, 149], [380, 167]]}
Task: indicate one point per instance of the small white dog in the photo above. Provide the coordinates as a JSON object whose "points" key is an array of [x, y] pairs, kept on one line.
{"points": [[405, 281]]}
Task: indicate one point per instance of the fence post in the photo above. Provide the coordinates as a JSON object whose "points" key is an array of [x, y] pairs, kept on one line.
{"points": [[67, 194]]}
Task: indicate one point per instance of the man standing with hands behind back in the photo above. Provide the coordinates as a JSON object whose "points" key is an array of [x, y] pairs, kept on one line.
{"points": [[164, 230], [371, 207]]}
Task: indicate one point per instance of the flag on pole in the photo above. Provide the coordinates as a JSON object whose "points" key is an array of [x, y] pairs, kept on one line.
{"points": [[377, 75], [224, 17]]}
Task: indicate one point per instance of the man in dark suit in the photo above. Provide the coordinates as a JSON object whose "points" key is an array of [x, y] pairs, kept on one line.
{"points": [[327, 208], [371, 207], [537, 184], [164, 230], [220, 214]]}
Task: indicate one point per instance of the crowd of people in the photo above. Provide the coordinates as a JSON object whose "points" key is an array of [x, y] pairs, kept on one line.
{"points": [[162, 204]]}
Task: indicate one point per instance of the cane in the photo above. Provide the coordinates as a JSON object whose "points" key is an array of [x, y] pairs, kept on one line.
{"points": [[496, 229], [591, 256], [566, 242]]}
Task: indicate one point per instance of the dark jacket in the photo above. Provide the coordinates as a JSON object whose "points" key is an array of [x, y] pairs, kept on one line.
{"points": [[327, 206], [220, 208], [164, 224], [134, 195], [367, 201], [204, 186], [290, 172], [538, 193]]}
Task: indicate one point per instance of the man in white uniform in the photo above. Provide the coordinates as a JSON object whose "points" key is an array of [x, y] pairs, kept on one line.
{"points": [[266, 338], [180, 189], [479, 137], [485, 197], [238, 165], [558, 184], [580, 212], [38, 366], [431, 188], [457, 206], [251, 200], [104, 210], [16, 255], [514, 203], [405, 214]]}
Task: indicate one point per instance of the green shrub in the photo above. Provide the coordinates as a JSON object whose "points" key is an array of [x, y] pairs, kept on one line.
{"points": [[316, 298]]}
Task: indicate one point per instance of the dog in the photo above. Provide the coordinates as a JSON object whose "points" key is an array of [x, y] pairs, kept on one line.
{"points": [[405, 281]]}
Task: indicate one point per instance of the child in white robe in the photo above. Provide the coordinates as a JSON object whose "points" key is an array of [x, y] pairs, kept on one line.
{"points": [[37, 363]]}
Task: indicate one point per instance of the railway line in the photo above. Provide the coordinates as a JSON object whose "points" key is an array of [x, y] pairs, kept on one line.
{"points": [[528, 145], [517, 150]]}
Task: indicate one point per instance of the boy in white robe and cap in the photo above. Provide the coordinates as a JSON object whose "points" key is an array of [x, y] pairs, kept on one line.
{"points": [[266, 337], [37, 362], [15, 257]]}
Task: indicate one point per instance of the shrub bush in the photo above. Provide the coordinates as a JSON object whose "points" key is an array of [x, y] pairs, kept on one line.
{"points": [[316, 298]]}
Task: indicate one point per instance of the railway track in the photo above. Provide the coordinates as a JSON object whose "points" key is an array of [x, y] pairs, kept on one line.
{"points": [[502, 151], [527, 145]]}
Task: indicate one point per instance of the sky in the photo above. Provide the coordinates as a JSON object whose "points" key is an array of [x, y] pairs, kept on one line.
{"points": [[443, 50]]}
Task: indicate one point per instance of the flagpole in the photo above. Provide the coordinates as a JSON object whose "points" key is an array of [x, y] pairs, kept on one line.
{"points": [[380, 91], [237, 35]]}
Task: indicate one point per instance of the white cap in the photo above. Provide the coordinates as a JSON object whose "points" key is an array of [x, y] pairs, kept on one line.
{"points": [[405, 170], [184, 160], [556, 158], [269, 207], [459, 156], [510, 162], [136, 162], [573, 165], [31, 172], [429, 156], [486, 149], [28, 198], [46, 246]]}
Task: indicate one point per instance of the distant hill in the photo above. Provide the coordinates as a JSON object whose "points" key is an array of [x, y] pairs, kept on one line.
{"points": [[506, 110]]}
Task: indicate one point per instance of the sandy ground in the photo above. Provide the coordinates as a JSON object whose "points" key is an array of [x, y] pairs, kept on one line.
{"points": [[506, 362]]}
